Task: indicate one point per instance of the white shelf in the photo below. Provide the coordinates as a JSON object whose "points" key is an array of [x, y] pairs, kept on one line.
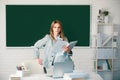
{"points": [[105, 49], [103, 70], [104, 24]]}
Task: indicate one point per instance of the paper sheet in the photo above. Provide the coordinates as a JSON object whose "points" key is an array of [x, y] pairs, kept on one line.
{"points": [[58, 45]]}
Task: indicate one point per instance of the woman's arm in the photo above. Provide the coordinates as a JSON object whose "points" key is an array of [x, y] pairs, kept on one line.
{"points": [[67, 49], [39, 44]]}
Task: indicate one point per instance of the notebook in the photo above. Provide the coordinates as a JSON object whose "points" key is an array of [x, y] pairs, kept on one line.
{"points": [[58, 47]]}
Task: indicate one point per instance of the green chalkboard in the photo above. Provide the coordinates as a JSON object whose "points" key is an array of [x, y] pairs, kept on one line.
{"points": [[25, 24]]}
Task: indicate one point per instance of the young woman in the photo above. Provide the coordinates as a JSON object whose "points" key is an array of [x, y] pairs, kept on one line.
{"points": [[56, 33]]}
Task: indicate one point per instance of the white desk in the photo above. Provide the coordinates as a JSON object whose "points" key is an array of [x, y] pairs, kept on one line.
{"points": [[92, 76]]}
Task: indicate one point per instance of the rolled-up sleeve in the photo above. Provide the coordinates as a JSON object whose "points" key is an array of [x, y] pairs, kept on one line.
{"points": [[39, 44], [70, 53]]}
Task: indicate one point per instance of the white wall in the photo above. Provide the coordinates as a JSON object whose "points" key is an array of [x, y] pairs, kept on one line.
{"points": [[10, 57]]}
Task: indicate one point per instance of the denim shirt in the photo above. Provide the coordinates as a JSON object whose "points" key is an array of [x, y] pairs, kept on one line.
{"points": [[49, 55]]}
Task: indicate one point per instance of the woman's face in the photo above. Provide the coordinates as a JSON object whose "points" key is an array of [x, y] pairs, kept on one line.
{"points": [[56, 28]]}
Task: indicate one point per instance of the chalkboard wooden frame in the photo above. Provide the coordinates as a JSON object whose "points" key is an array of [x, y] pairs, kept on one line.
{"points": [[24, 25]]}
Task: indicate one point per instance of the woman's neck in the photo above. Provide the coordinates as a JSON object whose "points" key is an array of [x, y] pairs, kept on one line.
{"points": [[56, 35]]}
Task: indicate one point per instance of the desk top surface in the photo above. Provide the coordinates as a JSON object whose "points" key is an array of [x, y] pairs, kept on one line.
{"points": [[92, 76]]}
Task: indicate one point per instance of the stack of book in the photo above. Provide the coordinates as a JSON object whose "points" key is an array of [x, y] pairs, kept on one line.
{"points": [[75, 76]]}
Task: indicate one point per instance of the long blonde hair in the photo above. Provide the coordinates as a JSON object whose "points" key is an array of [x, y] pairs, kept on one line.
{"points": [[61, 30]]}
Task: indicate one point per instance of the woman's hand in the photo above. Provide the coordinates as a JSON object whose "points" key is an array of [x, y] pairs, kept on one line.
{"points": [[39, 61], [66, 49]]}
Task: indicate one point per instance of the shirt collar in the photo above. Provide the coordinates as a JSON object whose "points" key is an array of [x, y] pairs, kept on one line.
{"points": [[58, 38]]}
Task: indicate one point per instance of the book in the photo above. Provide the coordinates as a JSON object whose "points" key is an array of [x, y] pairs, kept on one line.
{"points": [[59, 45], [75, 76], [109, 62], [74, 79], [78, 79]]}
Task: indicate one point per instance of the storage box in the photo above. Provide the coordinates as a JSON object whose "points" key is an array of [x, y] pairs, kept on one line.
{"points": [[14, 77], [22, 73]]}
